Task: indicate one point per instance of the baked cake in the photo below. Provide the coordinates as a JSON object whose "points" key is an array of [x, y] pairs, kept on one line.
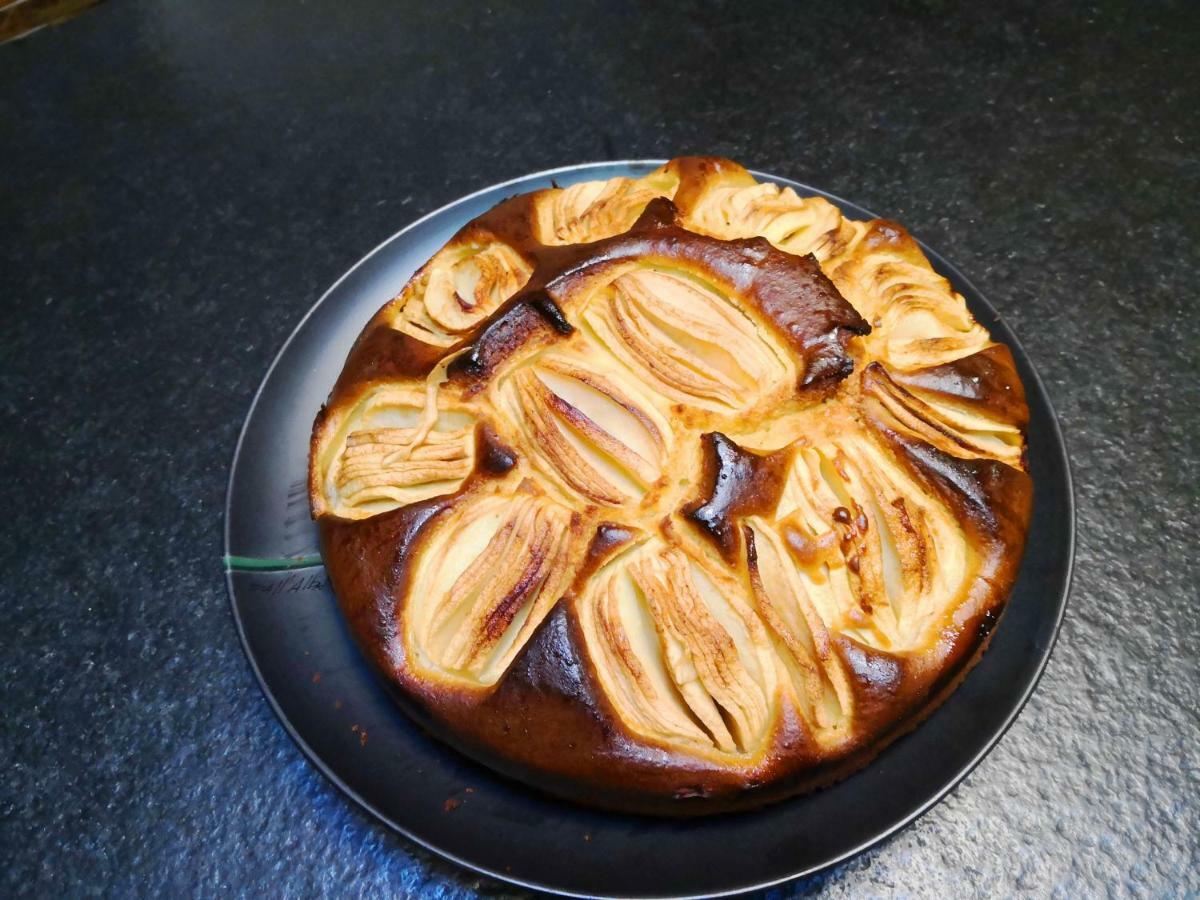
{"points": [[673, 494]]}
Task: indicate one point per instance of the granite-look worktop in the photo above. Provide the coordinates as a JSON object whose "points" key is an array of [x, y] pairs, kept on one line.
{"points": [[180, 181]]}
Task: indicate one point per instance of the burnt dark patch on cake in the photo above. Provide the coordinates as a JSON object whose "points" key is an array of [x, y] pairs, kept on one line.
{"points": [[609, 540], [735, 483], [492, 456]]}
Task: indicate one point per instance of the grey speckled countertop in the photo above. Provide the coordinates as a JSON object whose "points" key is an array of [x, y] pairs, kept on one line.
{"points": [[180, 181]]}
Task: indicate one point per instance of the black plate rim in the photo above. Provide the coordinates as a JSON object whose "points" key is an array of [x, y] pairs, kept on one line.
{"points": [[946, 268]]}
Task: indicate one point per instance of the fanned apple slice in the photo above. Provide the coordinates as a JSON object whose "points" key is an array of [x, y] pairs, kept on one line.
{"points": [[802, 639], [681, 656], [686, 340], [486, 577], [809, 514], [593, 210], [592, 429], [917, 318], [460, 287], [797, 225], [956, 427], [388, 451], [879, 556], [623, 643]]}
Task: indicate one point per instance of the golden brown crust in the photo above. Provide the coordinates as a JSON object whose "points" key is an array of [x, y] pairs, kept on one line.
{"points": [[674, 494]]}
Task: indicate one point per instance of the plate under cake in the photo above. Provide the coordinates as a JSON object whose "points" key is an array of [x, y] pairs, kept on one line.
{"points": [[673, 494]]}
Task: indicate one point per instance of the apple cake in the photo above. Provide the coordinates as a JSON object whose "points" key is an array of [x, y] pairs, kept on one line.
{"points": [[673, 494]]}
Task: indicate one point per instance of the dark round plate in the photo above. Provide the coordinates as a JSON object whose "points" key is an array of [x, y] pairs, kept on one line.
{"points": [[346, 723]]}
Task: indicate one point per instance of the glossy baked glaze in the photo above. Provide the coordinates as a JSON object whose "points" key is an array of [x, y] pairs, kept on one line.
{"points": [[674, 495]]}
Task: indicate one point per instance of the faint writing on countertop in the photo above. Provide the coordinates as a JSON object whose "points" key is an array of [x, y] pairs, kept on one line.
{"points": [[291, 583]]}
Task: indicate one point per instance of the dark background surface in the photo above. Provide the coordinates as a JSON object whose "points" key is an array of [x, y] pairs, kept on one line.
{"points": [[180, 181]]}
